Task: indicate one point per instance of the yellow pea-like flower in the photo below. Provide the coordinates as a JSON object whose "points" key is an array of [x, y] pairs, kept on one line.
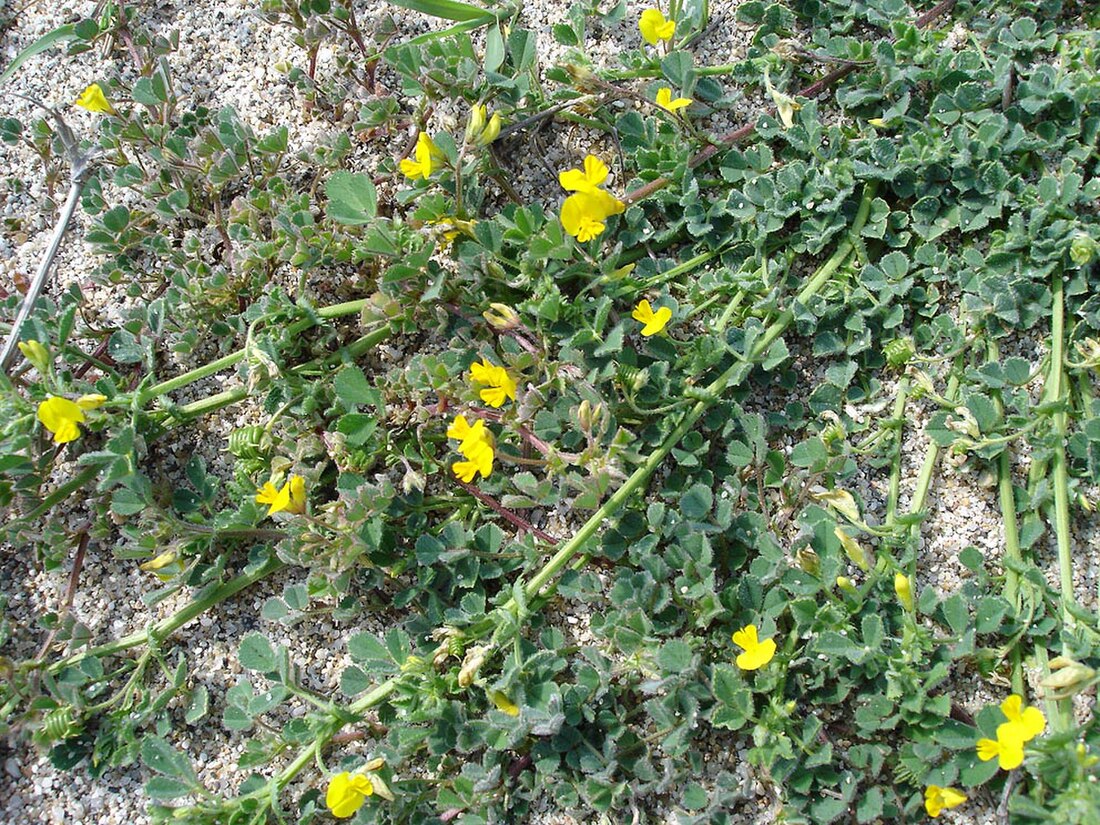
{"points": [[758, 652], [346, 793], [501, 385], [588, 179], [665, 101], [655, 27], [426, 154], [584, 214], [937, 799], [94, 100], [61, 417], [290, 498], [654, 321]]}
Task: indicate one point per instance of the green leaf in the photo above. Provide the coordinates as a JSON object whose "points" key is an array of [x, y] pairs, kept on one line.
{"points": [[159, 756], [256, 653], [352, 199], [367, 650], [494, 49], [675, 656], [353, 389], [46, 41], [358, 427], [696, 502], [198, 706], [163, 788], [447, 9], [811, 453]]}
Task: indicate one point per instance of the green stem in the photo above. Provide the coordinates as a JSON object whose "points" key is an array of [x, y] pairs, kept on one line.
{"points": [[166, 627], [924, 480], [1058, 462], [895, 468], [226, 361], [1012, 542], [227, 397]]}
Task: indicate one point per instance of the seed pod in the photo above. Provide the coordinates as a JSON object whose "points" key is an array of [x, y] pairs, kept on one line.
{"points": [[248, 442], [899, 352]]}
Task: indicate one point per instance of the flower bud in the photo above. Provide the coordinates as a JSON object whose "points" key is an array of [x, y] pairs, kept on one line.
{"points": [[877, 122], [492, 130], [1082, 250], [853, 550], [1068, 678], [91, 401], [475, 658], [809, 561], [588, 416], [903, 588], [501, 317], [374, 764], [37, 354], [476, 123], [845, 584]]}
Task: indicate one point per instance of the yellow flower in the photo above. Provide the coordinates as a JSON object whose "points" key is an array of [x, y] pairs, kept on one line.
{"points": [[427, 154], [94, 100], [937, 799], [61, 416], [475, 444], [501, 385], [654, 321], [903, 588], [1027, 722], [583, 214], [291, 498], [665, 101], [346, 793], [503, 703], [1008, 747], [460, 429], [757, 653], [575, 180], [479, 459], [655, 27]]}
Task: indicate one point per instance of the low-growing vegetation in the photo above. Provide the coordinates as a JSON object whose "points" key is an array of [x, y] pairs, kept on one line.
{"points": [[697, 391]]}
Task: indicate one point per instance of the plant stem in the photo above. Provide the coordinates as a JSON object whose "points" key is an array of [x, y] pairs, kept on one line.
{"points": [[216, 366], [1058, 462], [895, 468], [924, 480]]}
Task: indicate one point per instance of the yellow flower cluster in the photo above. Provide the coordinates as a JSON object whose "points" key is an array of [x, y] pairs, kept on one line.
{"points": [[758, 652], [291, 498], [937, 799], [1024, 724], [653, 322], [499, 385], [476, 445], [481, 130], [61, 416], [584, 213], [655, 27]]}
